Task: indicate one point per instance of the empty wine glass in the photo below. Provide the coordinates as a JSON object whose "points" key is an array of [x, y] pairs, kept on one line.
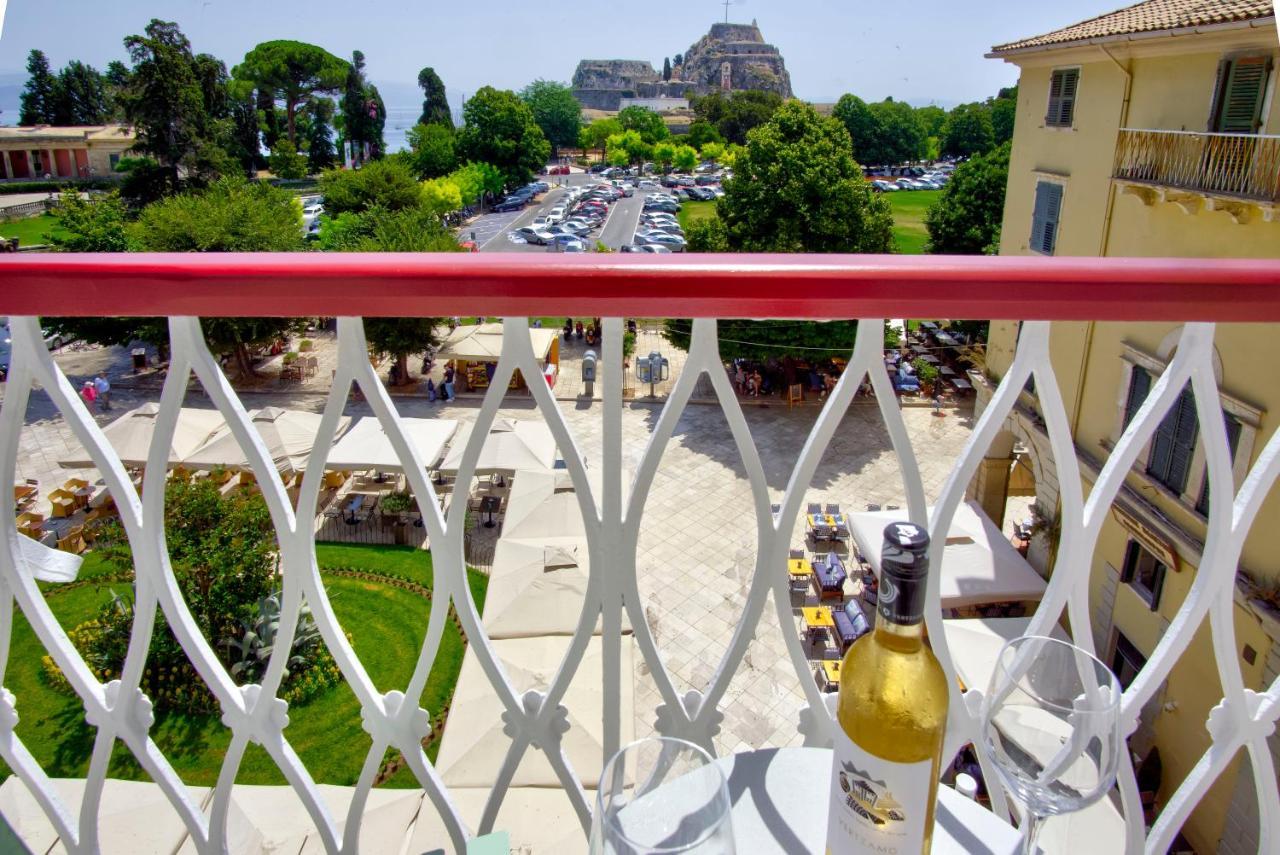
{"points": [[1051, 725], [662, 795]]}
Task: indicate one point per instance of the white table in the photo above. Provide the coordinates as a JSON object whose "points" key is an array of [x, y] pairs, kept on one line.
{"points": [[781, 795]]}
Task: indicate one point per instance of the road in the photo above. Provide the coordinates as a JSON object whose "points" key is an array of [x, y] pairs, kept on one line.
{"points": [[493, 232]]}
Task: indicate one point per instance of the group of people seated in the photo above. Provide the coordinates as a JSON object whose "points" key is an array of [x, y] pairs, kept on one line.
{"points": [[590, 333]]}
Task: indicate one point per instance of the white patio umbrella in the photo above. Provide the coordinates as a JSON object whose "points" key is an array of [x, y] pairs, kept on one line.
{"points": [[289, 436], [389, 815], [483, 343], [530, 595], [536, 820], [131, 435], [555, 521], [975, 644], [474, 745], [134, 816], [366, 445], [512, 445], [978, 564]]}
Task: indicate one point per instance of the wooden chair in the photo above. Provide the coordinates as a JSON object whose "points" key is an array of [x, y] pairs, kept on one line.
{"points": [[72, 543], [63, 502], [73, 484]]}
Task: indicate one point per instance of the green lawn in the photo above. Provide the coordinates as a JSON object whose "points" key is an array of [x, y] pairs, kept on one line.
{"points": [[32, 230], [693, 211], [909, 206], [386, 626]]}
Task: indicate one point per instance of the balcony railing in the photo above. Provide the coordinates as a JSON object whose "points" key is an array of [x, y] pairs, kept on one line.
{"points": [[1198, 293], [1243, 166]]}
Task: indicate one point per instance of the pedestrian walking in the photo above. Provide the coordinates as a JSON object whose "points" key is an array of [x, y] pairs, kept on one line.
{"points": [[89, 395], [431, 390], [103, 388]]}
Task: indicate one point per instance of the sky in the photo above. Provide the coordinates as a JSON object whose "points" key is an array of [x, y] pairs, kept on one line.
{"points": [[928, 51]]}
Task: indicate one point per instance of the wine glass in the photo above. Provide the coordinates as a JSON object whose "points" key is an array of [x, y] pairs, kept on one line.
{"points": [[1051, 725], [662, 795]]}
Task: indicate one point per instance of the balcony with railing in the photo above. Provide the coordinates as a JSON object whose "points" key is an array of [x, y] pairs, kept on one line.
{"points": [[1233, 172], [611, 469]]}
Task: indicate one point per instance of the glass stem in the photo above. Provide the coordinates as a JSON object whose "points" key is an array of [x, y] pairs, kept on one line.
{"points": [[1030, 831]]}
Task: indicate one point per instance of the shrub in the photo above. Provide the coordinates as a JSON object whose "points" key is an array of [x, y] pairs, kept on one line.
{"points": [[925, 371], [305, 345], [290, 357], [396, 503]]}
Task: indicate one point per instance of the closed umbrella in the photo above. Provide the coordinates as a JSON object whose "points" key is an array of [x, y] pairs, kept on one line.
{"points": [[131, 436]]}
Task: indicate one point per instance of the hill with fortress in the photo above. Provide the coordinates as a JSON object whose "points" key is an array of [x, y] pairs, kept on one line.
{"points": [[729, 57]]}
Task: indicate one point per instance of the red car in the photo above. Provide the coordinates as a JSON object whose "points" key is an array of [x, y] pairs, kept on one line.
{"points": [[558, 170]]}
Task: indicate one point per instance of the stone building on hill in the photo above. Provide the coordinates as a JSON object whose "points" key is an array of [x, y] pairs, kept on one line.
{"points": [[729, 57]]}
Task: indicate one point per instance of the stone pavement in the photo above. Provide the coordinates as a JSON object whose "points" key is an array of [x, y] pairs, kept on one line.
{"points": [[697, 547]]}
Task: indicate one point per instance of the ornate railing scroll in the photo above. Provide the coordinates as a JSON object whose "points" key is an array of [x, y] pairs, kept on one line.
{"points": [[863, 287]]}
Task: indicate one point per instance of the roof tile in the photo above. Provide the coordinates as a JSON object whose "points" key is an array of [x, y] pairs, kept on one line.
{"points": [[1149, 16]]}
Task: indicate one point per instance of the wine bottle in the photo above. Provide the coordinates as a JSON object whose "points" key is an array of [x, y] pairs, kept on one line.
{"points": [[892, 714]]}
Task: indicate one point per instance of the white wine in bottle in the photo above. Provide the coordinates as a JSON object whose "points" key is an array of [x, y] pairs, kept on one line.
{"points": [[892, 714]]}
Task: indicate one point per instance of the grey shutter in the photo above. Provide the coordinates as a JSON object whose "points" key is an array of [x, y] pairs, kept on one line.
{"points": [[1157, 584], [1044, 220], [1239, 108], [1184, 442], [1139, 388], [1062, 97]]}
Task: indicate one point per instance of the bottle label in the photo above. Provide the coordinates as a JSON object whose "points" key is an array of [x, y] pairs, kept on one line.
{"points": [[876, 805], [900, 599]]}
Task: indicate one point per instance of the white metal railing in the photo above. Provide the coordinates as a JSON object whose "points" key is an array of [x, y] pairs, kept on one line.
{"points": [[1243, 165], [613, 513]]}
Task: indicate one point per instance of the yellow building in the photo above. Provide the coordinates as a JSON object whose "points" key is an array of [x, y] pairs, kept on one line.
{"points": [[1152, 131], [83, 151]]}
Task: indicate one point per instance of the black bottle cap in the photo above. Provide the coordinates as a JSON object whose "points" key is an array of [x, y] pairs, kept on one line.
{"points": [[904, 566]]}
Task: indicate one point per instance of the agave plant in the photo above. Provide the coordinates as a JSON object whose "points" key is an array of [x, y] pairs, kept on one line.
{"points": [[252, 650]]}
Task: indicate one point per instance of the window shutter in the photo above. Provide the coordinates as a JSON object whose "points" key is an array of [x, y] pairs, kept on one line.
{"points": [[1062, 97], [1139, 388], [1240, 107], [1055, 98], [1224, 65], [1233, 440], [1044, 225], [1184, 442], [1157, 585]]}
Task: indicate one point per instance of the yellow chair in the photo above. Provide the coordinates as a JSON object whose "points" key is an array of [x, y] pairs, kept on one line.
{"points": [[72, 543], [63, 502], [74, 484]]}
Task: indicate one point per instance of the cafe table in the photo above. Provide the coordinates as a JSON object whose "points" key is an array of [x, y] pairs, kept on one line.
{"points": [[830, 671], [817, 617], [780, 798]]}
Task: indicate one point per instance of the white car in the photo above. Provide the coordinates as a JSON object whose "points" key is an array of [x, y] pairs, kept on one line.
{"points": [[311, 219], [556, 216], [541, 222]]}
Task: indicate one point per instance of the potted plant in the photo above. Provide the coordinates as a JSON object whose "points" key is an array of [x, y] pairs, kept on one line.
{"points": [[290, 357], [396, 506], [305, 345], [927, 374]]}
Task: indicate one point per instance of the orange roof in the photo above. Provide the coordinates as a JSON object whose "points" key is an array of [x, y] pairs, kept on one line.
{"points": [[1146, 17]]}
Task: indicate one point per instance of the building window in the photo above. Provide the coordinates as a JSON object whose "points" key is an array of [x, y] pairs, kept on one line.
{"points": [[37, 163], [1233, 440], [1174, 444], [1238, 95], [1127, 662], [1044, 219], [1144, 573], [113, 159], [1062, 97], [1139, 387]]}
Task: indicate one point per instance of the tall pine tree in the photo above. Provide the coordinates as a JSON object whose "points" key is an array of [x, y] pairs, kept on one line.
{"points": [[363, 113], [37, 105], [435, 104]]}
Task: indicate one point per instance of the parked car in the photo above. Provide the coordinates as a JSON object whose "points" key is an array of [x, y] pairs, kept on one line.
{"points": [[704, 194], [652, 248], [508, 204], [558, 170], [532, 235], [704, 180], [556, 215], [565, 243], [885, 186], [673, 242], [540, 186], [540, 222]]}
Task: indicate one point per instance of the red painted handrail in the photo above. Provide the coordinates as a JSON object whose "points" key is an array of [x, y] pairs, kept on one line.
{"points": [[754, 286]]}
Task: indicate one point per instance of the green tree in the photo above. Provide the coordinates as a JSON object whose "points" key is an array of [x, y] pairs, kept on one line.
{"points": [[435, 101], [245, 135], [645, 122], [232, 215], [389, 185], [664, 153], [476, 180], [1004, 108], [37, 102], [712, 151], [968, 130], [736, 114], [863, 128], [320, 152], [98, 224], [706, 235], [796, 188], [432, 149], [701, 133], [966, 218], [498, 128], [596, 135], [166, 103], [80, 96], [293, 72], [441, 195], [686, 158], [364, 116], [932, 118], [628, 147], [285, 162], [900, 133], [556, 111], [666, 68]]}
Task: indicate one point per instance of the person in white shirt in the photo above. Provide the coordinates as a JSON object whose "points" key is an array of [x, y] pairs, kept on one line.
{"points": [[103, 388]]}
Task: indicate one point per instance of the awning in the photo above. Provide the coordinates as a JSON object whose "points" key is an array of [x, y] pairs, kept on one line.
{"points": [[512, 445], [979, 565], [131, 435], [289, 436], [483, 343], [366, 446], [975, 643], [535, 589], [474, 746]]}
